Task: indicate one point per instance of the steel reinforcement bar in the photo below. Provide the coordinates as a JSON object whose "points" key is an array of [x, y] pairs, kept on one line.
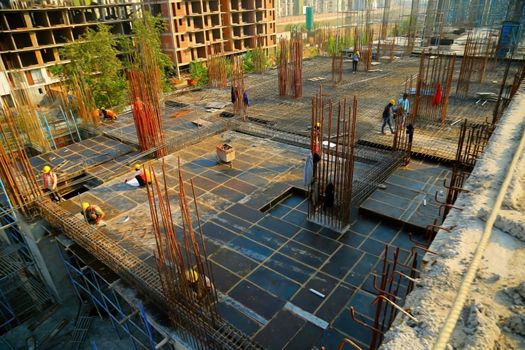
{"points": [[222, 335]]}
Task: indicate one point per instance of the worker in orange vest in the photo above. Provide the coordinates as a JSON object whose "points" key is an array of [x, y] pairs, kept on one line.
{"points": [[143, 176], [108, 114], [50, 180]]}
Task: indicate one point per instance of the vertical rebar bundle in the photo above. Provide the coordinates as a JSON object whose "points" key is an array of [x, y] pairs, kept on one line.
{"points": [[290, 67], [330, 191], [433, 88], [396, 281], [84, 101], [16, 172], [237, 82], [217, 72], [282, 67], [145, 86], [296, 64], [471, 144], [183, 266], [27, 115], [337, 68], [259, 57], [412, 27]]}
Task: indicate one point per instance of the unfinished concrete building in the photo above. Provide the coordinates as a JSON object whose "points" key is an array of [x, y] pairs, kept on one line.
{"points": [[33, 32], [311, 229], [198, 29]]}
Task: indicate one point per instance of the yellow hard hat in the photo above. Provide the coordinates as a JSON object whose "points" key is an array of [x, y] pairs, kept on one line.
{"points": [[85, 205], [192, 276], [392, 101], [46, 169], [137, 166], [318, 124]]}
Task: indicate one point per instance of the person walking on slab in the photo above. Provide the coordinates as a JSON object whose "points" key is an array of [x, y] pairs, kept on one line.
{"points": [[388, 113], [355, 60], [405, 104]]}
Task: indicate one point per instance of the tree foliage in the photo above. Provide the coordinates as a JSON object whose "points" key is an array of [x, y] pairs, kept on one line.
{"points": [[94, 63], [199, 73], [338, 42]]}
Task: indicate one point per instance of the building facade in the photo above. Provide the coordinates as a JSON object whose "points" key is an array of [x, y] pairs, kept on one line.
{"points": [[197, 29], [31, 34]]}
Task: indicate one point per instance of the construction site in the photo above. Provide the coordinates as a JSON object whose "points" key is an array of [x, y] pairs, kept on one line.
{"points": [[368, 196]]}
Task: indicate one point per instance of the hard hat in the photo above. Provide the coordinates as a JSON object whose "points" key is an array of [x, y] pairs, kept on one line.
{"points": [[318, 124], [192, 276], [46, 169], [137, 166], [85, 205], [392, 101]]}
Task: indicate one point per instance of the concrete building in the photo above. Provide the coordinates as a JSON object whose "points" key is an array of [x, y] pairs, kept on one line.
{"points": [[33, 32], [196, 29]]}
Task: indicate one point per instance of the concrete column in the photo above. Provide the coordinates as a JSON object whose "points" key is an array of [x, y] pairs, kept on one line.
{"points": [[47, 258]]}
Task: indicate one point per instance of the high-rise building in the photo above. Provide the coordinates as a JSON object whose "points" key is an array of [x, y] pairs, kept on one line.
{"points": [[197, 29], [32, 32]]}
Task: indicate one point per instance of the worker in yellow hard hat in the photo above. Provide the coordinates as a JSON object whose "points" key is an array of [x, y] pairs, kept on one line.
{"points": [[92, 213], [50, 180], [388, 115], [142, 175]]}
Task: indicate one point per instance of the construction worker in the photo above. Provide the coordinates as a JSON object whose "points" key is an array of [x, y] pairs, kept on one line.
{"points": [[316, 142], [245, 102], [388, 114], [142, 176], [108, 114], [404, 103], [192, 277], [92, 213], [355, 60], [50, 180]]}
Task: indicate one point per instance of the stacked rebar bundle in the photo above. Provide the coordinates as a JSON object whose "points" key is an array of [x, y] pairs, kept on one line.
{"points": [[183, 266], [433, 88], [217, 71], [145, 86], [237, 90], [330, 188], [16, 173], [395, 281]]}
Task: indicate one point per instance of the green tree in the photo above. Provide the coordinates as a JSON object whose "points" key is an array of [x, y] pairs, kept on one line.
{"points": [[94, 63], [199, 73]]}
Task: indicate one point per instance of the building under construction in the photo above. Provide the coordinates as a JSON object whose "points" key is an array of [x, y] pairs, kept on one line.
{"points": [[197, 30], [33, 32], [314, 216]]}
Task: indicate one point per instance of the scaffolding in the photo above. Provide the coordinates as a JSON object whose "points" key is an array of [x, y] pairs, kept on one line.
{"points": [[22, 291], [95, 284]]}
